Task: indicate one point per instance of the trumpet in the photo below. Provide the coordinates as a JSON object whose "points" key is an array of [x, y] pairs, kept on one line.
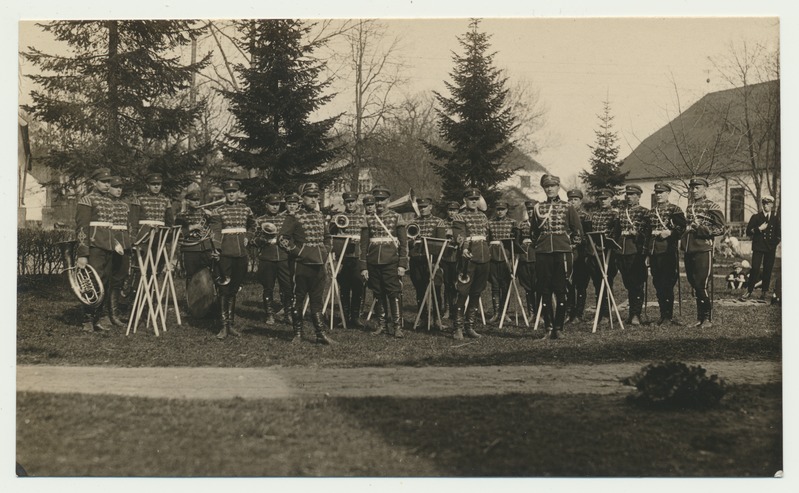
{"points": [[412, 230], [211, 204], [341, 221], [86, 282]]}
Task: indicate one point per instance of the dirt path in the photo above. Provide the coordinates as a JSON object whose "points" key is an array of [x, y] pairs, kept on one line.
{"points": [[278, 383]]}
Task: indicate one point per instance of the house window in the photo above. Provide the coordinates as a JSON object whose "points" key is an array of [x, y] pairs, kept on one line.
{"points": [[525, 181], [736, 205]]}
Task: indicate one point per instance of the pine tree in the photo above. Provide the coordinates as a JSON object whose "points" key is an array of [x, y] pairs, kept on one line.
{"points": [[605, 163], [273, 137], [475, 121], [118, 99]]}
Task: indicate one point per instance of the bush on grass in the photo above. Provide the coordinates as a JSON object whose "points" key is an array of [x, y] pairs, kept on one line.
{"points": [[675, 385]]}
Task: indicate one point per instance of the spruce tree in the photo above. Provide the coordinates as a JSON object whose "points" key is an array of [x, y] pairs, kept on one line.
{"points": [[118, 99], [475, 121], [605, 163], [273, 137]]}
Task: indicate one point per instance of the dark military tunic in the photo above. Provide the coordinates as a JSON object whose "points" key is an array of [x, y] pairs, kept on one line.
{"points": [[605, 220], [664, 253], [476, 238], [632, 233], [452, 230], [555, 228], [764, 247], [121, 231], [307, 240], [94, 217], [384, 248], [235, 223], [196, 244], [150, 211], [705, 221], [349, 275]]}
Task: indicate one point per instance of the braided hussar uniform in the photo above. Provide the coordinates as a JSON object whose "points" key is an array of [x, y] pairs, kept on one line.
{"points": [[705, 221], [476, 268], [384, 248], [419, 270], [349, 280], [526, 270], [120, 264], [604, 219], [235, 223], [273, 261], [196, 245], [502, 231], [306, 238], [451, 230], [632, 231], [94, 217], [555, 229], [663, 251]]}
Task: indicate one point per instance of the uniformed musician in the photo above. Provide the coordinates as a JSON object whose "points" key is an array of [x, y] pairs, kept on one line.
{"points": [[383, 261], [475, 258], [120, 263], [236, 224], [273, 261], [502, 230], [632, 232], [94, 217], [196, 245], [526, 250], [419, 258], [450, 229], [351, 285], [667, 222], [306, 237], [705, 220], [153, 208], [604, 220], [556, 229], [581, 274]]}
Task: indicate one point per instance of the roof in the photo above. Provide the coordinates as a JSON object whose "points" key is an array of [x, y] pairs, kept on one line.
{"points": [[519, 159], [706, 139]]}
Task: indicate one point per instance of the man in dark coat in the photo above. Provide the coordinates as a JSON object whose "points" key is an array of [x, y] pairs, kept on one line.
{"points": [[765, 230]]}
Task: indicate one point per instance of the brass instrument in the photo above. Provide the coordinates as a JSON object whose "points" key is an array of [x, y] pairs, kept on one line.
{"points": [[215, 202], [406, 203], [85, 282], [268, 228], [412, 230], [341, 221]]}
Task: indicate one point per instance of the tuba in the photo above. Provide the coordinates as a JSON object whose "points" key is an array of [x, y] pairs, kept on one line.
{"points": [[86, 282]]}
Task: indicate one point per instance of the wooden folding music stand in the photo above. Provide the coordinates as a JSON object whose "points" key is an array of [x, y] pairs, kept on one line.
{"points": [[513, 288], [152, 294], [334, 294], [430, 301], [605, 287]]}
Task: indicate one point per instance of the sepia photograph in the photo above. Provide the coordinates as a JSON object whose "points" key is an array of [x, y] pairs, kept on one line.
{"points": [[520, 243]]}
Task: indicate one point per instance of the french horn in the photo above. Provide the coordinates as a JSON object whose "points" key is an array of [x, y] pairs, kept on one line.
{"points": [[86, 283]]}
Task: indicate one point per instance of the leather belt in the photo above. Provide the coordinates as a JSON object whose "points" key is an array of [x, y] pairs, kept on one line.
{"points": [[382, 239], [119, 227]]}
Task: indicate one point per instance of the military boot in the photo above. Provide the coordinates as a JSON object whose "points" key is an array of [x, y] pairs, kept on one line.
{"points": [[113, 309], [382, 316], [319, 326], [232, 318], [496, 310], [224, 309], [560, 316], [269, 317], [100, 319], [457, 332], [396, 316], [547, 316], [87, 325], [471, 320], [296, 324]]}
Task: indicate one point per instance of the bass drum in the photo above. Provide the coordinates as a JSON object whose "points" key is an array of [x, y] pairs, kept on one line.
{"points": [[201, 293]]}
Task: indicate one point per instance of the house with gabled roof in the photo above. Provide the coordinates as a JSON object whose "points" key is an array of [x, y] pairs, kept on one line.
{"points": [[709, 139]]}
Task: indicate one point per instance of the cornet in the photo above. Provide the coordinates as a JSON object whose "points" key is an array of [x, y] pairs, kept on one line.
{"points": [[85, 282]]}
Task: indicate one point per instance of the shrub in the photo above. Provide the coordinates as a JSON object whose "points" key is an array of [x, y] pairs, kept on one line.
{"points": [[38, 252], [674, 385]]}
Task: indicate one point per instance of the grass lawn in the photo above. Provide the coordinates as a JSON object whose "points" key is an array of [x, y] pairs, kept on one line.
{"points": [[511, 435], [48, 333]]}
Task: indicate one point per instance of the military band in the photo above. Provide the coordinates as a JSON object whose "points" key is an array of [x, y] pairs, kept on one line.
{"points": [[554, 258]]}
